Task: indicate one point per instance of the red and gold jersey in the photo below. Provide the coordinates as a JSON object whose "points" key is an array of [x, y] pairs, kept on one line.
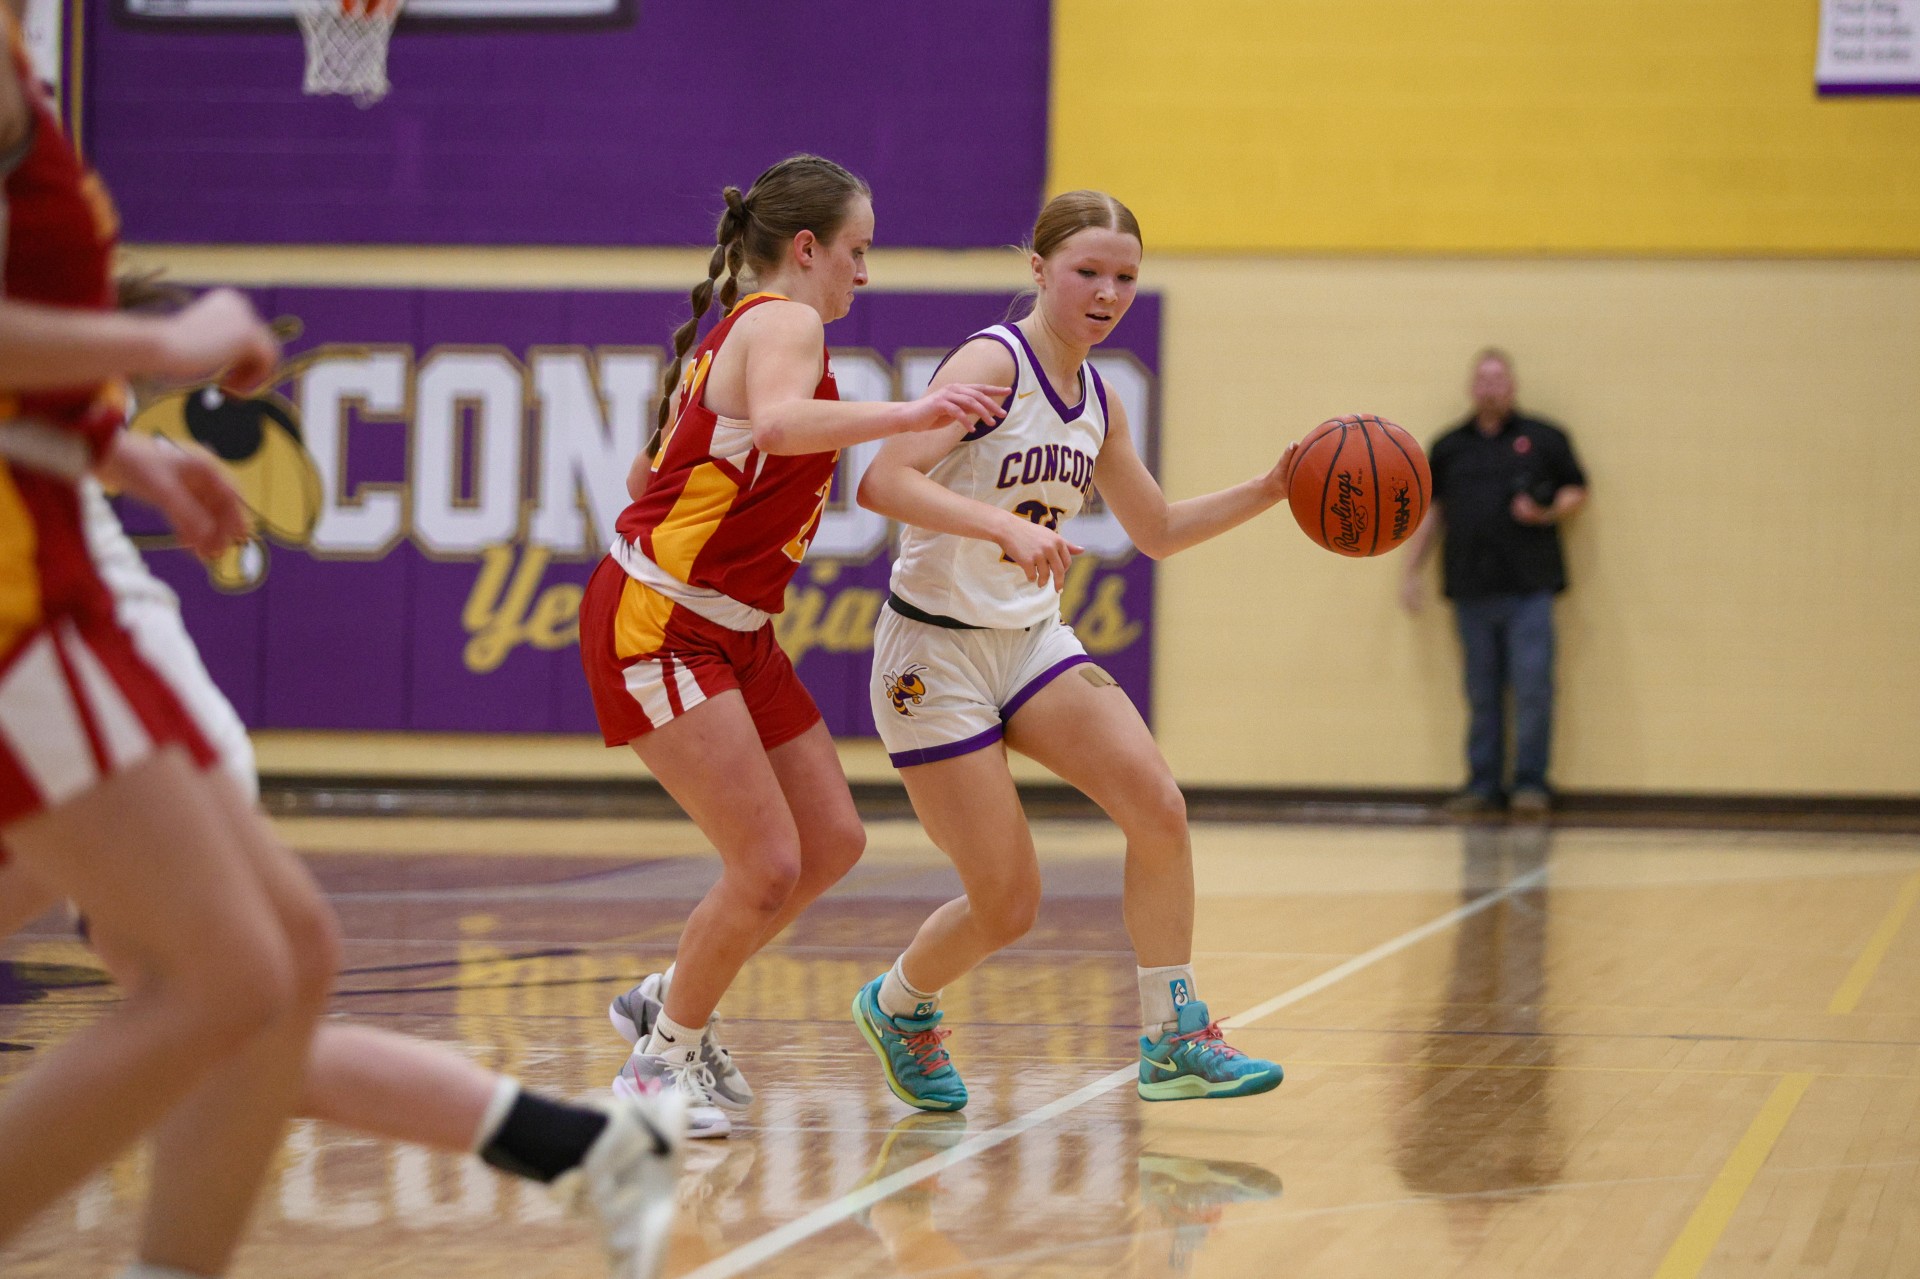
{"points": [[60, 236], [718, 513]]}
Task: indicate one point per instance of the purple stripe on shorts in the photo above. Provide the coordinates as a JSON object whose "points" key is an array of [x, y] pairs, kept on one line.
{"points": [[1039, 682], [951, 750]]}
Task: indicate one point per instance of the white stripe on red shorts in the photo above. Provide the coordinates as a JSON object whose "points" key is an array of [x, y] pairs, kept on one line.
{"points": [[63, 720], [663, 688]]}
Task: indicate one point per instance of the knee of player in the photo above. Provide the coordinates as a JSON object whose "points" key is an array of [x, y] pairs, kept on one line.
{"points": [[1158, 809], [237, 990], [767, 880], [313, 944], [843, 846], [1008, 911]]}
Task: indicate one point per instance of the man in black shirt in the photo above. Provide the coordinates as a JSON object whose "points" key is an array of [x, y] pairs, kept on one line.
{"points": [[1502, 482]]}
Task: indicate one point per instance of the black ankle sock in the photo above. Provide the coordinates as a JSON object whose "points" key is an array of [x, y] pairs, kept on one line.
{"points": [[541, 1139]]}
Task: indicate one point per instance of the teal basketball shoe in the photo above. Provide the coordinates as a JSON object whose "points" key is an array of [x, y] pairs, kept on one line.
{"points": [[1192, 1060], [917, 1067]]}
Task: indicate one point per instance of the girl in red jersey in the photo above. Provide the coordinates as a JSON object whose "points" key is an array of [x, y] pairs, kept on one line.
{"points": [[675, 628], [103, 798], [107, 795]]}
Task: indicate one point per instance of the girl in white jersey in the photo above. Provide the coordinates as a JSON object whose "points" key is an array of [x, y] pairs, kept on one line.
{"points": [[971, 657]]}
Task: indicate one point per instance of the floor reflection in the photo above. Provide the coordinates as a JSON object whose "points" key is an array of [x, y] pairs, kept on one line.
{"points": [[1185, 1199], [1480, 1127]]}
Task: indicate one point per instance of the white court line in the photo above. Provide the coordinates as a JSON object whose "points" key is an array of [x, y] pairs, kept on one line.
{"points": [[777, 1241]]}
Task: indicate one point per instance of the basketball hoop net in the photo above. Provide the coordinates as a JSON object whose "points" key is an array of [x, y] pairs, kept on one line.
{"points": [[347, 46]]}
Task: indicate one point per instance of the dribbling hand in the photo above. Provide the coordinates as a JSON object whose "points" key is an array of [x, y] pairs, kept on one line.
{"points": [[1279, 481], [219, 333], [964, 403], [1039, 552]]}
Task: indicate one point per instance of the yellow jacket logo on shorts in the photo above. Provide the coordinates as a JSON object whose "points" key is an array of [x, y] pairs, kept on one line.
{"points": [[905, 687]]}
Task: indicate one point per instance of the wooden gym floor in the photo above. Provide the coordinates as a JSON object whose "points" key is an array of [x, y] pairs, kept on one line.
{"points": [[1510, 1051]]}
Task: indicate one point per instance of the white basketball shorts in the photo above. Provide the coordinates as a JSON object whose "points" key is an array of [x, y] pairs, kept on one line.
{"points": [[939, 692]]}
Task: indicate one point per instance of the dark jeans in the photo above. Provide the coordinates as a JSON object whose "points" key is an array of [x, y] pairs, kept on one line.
{"points": [[1508, 639]]}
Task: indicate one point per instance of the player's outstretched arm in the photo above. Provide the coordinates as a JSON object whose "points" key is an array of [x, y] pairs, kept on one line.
{"points": [[1159, 527], [897, 486], [186, 485], [47, 348], [784, 342]]}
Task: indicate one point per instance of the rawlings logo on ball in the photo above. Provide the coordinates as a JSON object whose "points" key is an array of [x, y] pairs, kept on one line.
{"points": [[1351, 515]]}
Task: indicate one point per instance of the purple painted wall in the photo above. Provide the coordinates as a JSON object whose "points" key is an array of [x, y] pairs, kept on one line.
{"points": [[611, 136], [424, 590]]}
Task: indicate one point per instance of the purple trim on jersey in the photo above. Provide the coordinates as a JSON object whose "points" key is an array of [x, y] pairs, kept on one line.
{"points": [[1053, 397], [1039, 682], [1100, 389], [983, 429], [952, 750]]}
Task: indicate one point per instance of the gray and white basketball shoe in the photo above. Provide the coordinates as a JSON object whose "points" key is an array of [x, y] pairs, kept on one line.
{"points": [[629, 1180], [684, 1074], [633, 1014]]}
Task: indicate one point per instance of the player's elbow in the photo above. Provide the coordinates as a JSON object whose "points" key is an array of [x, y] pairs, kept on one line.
{"points": [[772, 437], [1155, 542], [872, 491]]}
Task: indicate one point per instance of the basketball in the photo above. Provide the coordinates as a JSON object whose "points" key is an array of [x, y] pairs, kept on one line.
{"points": [[1360, 485]]}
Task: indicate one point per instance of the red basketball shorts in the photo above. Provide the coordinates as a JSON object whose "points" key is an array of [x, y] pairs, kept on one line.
{"points": [[650, 660], [78, 704]]}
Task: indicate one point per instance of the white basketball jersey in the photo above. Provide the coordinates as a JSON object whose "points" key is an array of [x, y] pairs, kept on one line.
{"points": [[1037, 463]]}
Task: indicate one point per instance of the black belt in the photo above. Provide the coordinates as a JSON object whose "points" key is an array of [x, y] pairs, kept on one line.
{"points": [[907, 610]]}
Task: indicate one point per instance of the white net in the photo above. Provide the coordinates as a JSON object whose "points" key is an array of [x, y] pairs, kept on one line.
{"points": [[347, 46]]}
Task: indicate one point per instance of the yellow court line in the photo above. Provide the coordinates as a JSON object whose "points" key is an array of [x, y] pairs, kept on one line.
{"points": [[1709, 1221], [1847, 998]]}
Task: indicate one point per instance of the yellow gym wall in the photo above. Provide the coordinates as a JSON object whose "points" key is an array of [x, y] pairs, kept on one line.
{"points": [[1745, 610], [1478, 126]]}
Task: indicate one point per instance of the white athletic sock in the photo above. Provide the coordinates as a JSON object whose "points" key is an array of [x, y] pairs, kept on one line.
{"points": [[1162, 992], [505, 1092], [898, 999], [670, 1037], [144, 1270]]}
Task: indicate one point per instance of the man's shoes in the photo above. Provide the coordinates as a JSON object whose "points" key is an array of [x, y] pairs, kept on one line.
{"points": [[1530, 803], [1470, 803]]}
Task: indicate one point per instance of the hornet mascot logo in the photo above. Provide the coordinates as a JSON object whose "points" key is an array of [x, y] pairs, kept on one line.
{"points": [[905, 687], [258, 440]]}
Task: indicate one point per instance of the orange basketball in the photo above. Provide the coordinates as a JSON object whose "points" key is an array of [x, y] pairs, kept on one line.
{"points": [[1360, 485]]}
